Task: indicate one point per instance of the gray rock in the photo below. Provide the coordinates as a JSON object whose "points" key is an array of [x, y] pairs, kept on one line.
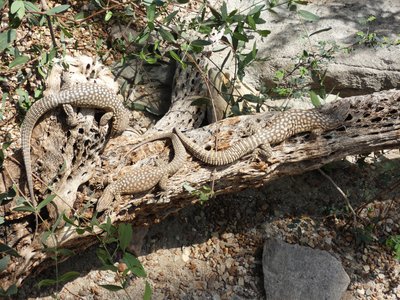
{"points": [[296, 272], [362, 70]]}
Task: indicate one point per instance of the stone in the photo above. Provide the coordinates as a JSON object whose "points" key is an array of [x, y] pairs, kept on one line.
{"points": [[359, 70], [297, 272]]}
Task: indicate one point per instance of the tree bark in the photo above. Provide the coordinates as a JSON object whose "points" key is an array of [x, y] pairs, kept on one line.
{"points": [[373, 124]]}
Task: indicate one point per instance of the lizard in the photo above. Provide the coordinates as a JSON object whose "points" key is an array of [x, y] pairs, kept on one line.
{"points": [[83, 95], [281, 127], [145, 178]]}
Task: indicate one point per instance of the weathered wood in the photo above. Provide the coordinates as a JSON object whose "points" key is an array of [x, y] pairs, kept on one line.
{"points": [[372, 124]]}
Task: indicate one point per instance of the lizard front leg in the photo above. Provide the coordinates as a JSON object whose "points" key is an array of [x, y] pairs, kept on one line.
{"points": [[106, 200], [163, 185], [263, 152]]}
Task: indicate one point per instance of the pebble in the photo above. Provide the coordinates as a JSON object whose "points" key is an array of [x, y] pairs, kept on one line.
{"points": [[361, 291], [241, 281], [185, 255]]}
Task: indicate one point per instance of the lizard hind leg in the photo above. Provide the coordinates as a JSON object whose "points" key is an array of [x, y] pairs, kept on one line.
{"points": [[163, 193], [105, 118], [72, 118], [104, 121], [106, 200], [263, 153]]}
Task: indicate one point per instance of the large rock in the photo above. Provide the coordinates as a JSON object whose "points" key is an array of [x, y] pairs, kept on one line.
{"points": [[294, 272], [357, 68]]}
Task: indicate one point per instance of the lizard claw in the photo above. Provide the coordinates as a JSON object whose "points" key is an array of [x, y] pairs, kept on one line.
{"points": [[163, 197]]}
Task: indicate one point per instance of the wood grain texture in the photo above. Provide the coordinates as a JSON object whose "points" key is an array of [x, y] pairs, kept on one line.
{"points": [[373, 124]]}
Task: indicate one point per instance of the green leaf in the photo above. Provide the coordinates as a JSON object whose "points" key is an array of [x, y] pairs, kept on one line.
{"points": [[4, 263], [240, 36], [108, 16], [224, 11], [104, 257], [151, 12], [9, 195], [57, 9], [251, 22], [69, 221], [315, 99], [12, 290], [124, 235], [215, 13], [175, 56], [256, 10], [69, 276], [18, 61], [26, 208], [204, 197], [6, 38], [111, 268], [80, 15], [8, 250], [111, 287], [134, 265], [201, 43], [31, 7], [46, 282], [45, 202], [251, 98], [65, 252], [264, 33], [308, 16], [188, 188], [147, 292], [170, 17], [18, 8], [182, 1], [143, 37], [166, 35]]}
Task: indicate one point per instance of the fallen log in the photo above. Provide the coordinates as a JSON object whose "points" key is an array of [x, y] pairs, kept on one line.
{"points": [[373, 124]]}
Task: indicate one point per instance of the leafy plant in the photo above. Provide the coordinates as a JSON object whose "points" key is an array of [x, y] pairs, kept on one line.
{"points": [[371, 38], [117, 239], [203, 194], [363, 235], [5, 253], [394, 243], [307, 76]]}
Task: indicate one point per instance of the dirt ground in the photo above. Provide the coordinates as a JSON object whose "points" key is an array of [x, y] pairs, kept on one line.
{"points": [[213, 251]]}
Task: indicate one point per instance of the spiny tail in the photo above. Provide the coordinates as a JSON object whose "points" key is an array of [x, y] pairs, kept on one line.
{"points": [[179, 155], [223, 157], [34, 113]]}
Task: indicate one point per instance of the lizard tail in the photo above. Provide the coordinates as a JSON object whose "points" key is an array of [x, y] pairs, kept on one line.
{"points": [[37, 109]]}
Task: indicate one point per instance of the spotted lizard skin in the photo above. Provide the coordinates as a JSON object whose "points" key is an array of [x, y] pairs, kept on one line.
{"points": [[82, 95], [145, 178], [282, 126]]}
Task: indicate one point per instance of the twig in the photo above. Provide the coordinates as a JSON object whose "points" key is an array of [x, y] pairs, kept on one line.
{"points": [[346, 199], [46, 7]]}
